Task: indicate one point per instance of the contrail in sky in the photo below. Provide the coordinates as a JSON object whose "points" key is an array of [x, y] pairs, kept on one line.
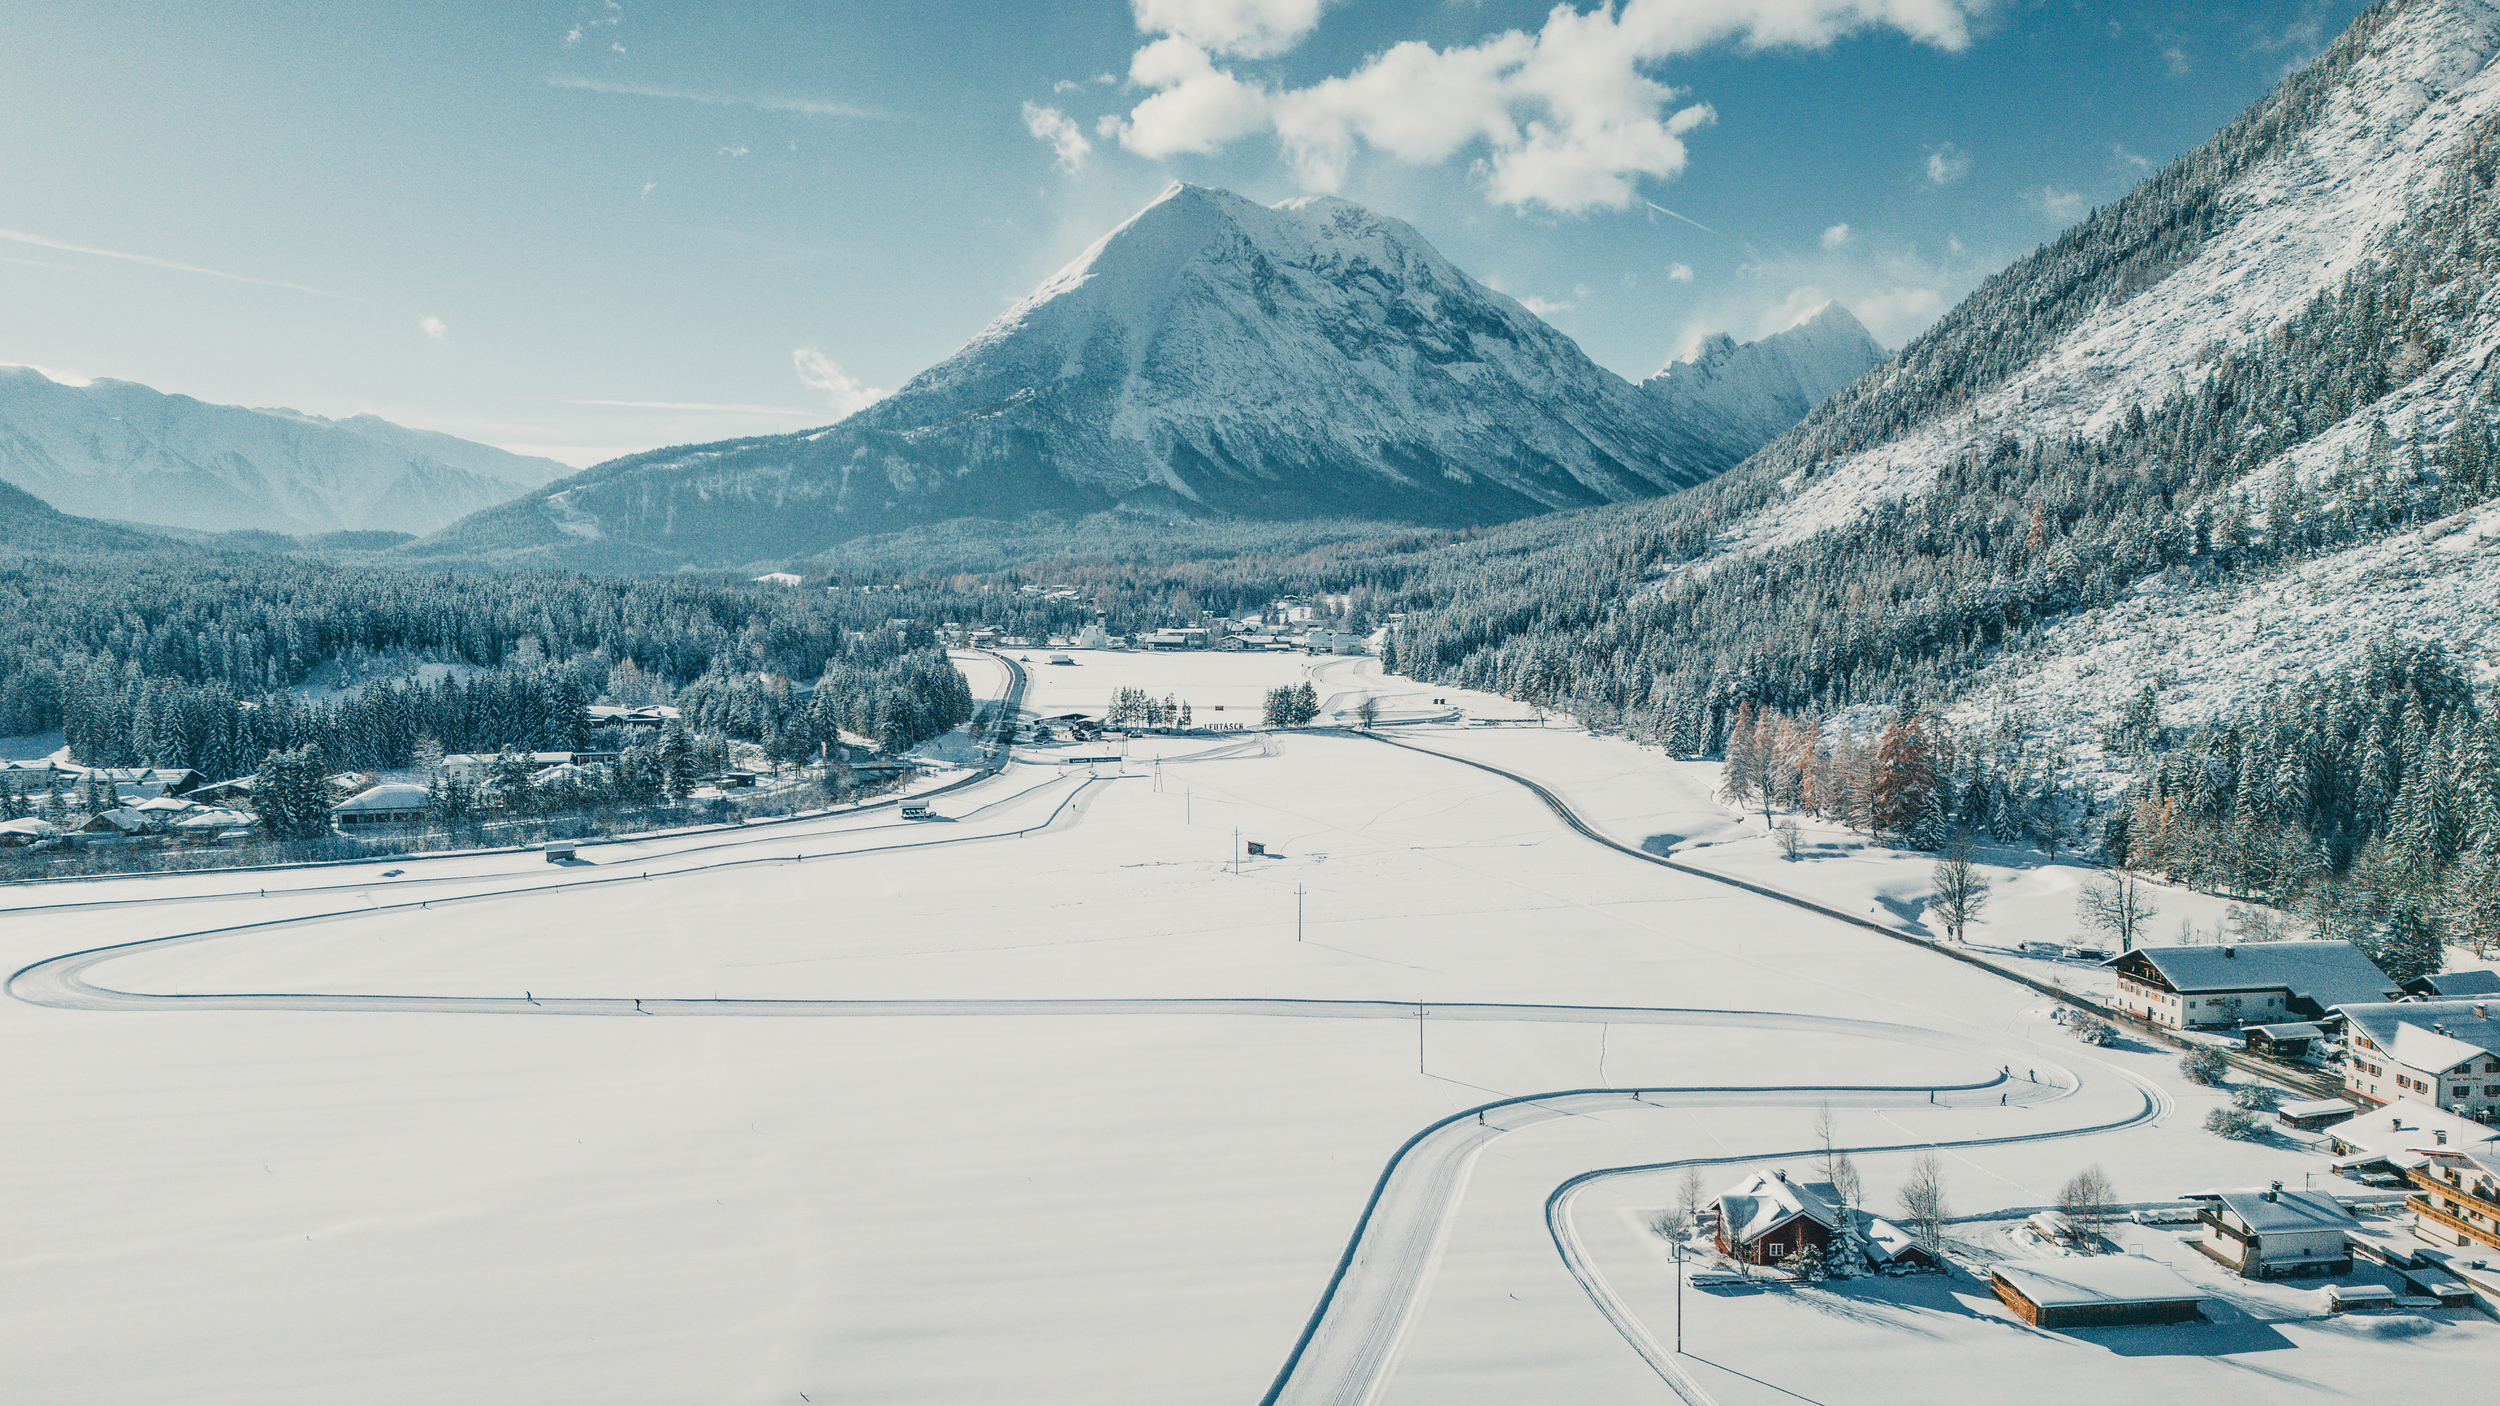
{"points": [[65, 247], [1663, 210]]}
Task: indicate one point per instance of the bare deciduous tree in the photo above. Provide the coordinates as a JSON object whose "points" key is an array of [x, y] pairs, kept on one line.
{"points": [[1690, 1197], [2116, 906], [2086, 1201], [1961, 890], [1790, 838], [1922, 1201]]}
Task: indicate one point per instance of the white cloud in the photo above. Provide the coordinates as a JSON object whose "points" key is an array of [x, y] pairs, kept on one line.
{"points": [[433, 327], [1946, 164], [733, 151], [1067, 143], [1544, 307], [2059, 205], [1566, 117], [1250, 29], [841, 390], [1897, 314], [2120, 156], [2177, 58], [1197, 107], [648, 187], [1680, 273], [1836, 236], [1065, 85]]}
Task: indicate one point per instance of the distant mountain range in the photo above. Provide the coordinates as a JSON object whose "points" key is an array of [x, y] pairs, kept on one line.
{"points": [[1212, 359], [119, 450]]}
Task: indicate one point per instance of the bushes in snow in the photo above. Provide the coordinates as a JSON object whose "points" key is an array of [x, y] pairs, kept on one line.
{"points": [[2237, 1123], [2091, 1029], [2204, 1066]]}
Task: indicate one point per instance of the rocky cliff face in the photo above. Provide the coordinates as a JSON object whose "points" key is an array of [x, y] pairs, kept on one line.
{"points": [[1211, 357], [117, 449], [1741, 396]]}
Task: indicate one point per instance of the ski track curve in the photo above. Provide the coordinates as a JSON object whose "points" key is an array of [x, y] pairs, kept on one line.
{"points": [[1347, 1351]]}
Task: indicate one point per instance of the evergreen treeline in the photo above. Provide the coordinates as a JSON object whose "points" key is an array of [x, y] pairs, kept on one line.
{"points": [[2367, 802], [181, 657]]}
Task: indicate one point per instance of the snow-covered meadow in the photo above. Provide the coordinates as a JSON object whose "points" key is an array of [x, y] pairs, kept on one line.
{"points": [[1055, 1108]]}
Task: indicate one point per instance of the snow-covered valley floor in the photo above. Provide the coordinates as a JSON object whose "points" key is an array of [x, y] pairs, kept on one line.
{"points": [[1045, 1100]]}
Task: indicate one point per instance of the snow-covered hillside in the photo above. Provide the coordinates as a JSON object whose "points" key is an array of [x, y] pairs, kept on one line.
{"points": [[1209, 358], [1742, 396], [2300, 222], [2328, 206], [117, 449]]}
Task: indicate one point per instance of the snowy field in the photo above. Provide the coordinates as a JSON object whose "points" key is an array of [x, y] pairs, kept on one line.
{"points": [[1057, 1098]]}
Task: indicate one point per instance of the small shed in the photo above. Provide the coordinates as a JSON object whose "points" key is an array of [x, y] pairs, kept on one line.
{"points": [[915, 810], [2290, 1040], [391, 803], [2344, 1298], [26, 831], [2095, 1291], [2311, 1114]]}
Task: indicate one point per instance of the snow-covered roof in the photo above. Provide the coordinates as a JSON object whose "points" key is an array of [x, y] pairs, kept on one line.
{"points": [[2288, 1210], [2313, 1108], [1885, 1242], [2328, 973], [390, 795], [2077, 1280], [215, 819], [2485, 982], [2427, 1034], [2290, 1030], [33, 825], [2406, 1127], [1764, 1201]]}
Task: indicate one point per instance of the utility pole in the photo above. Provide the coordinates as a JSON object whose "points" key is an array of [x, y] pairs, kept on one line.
{"points": [[1419, 1039], [1297, 911], [1679, 1296]]}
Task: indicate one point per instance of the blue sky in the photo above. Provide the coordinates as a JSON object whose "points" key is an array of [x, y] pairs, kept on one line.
{"points": [[583, 228]]}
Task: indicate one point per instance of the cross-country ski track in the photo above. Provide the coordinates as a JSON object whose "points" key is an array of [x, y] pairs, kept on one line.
{"points": [[1349, 1349]]}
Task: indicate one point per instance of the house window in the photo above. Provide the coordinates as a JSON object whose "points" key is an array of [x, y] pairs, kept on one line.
{"points": [[2460, 1091]]}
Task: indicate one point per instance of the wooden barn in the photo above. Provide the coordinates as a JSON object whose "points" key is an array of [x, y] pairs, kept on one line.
{"points": [[2095, 1291]]}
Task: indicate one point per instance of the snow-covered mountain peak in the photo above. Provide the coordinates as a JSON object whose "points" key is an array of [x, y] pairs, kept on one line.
{"points": [[1209, 356], [1192, 237], [1746, 393]]}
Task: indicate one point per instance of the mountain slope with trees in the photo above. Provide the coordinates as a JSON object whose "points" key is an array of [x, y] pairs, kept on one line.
{"points": [[2267, 368]]}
